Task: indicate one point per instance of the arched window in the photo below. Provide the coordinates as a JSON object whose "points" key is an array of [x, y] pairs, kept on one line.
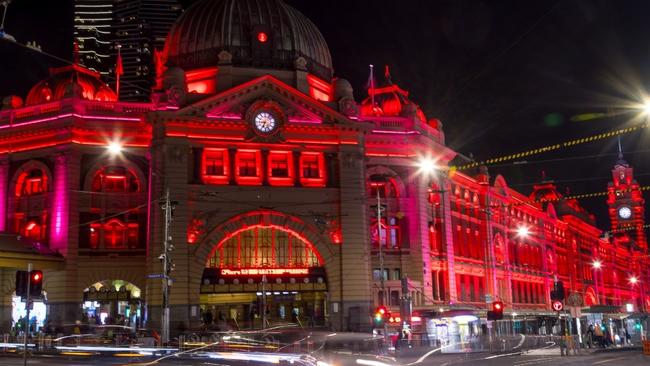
{"points": [[116, 179], [266, 246], [31, 182]]}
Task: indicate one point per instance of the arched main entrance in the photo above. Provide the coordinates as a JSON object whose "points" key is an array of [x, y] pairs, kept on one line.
{"points": [[263, 268], [115, 302]]}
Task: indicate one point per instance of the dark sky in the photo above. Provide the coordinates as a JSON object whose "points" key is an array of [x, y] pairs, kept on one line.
{"points": [[502, 75]]}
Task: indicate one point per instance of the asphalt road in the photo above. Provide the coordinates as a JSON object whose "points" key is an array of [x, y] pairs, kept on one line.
{"points": [[630, 358]]}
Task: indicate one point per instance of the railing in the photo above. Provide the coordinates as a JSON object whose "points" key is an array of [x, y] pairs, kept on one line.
{"points": [[48, 111]]}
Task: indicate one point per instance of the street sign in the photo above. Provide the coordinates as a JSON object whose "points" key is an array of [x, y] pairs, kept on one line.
{"points": [[488, 298], [557, 305], [155, 275]]}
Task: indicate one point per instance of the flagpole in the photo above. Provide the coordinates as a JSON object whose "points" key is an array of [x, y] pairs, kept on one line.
{"points": [[118, 70], [372, 86]]}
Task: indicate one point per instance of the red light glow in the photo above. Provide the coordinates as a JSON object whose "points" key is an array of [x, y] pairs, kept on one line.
{"points": [[262, 37]]}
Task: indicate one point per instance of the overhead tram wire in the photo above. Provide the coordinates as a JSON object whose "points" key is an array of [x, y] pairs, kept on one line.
{"points": [[549, 148], [68, 62]]}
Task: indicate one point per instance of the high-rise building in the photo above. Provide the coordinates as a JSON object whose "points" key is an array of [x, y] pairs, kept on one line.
{"points": [[93, 33], [139, 27]]}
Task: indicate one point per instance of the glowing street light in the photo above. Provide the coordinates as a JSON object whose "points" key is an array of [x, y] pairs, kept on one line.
{"points": [[634, 280], [596, 264], [427, 165], [646, 107], [114, 148], [523, 231]]}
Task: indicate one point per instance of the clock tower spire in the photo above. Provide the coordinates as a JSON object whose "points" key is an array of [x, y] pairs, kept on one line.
{"points": [[625, 202]]}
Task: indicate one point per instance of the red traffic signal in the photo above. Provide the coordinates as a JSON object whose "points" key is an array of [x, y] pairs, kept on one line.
{"points": [[36, 276], [497, 306], [381, 311], [36, 283]]}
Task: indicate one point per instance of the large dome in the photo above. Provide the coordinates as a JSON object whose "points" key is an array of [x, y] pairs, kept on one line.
{"points": [[257, 33]]}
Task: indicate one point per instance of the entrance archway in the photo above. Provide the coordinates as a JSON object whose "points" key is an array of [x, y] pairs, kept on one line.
{"points": [[114, 302], [263, 272]]}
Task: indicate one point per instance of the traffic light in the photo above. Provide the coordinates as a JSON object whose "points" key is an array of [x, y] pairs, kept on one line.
{"points": [[381, 314], [36, 283], [637, 326], [21, 283], [497, 311], [558, 291]]}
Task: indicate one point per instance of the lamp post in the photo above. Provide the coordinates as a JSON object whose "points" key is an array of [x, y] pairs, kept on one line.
{"points": [[596, 265]]}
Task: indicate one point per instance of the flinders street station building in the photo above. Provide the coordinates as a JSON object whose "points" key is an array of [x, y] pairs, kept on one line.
{"points": [[291, 199]]}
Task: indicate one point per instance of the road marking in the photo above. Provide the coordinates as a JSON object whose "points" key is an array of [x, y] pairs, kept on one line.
{"points": [[503, 355], [536, 361], [608, 360]]}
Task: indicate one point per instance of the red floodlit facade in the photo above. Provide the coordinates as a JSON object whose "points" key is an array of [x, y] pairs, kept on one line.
{"points": [[277, 172]]}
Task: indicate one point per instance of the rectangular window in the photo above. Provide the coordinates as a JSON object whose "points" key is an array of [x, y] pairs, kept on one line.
{"points": [[280, 168], [215, 166], [248, 164], [397, 274], [312, 169]]}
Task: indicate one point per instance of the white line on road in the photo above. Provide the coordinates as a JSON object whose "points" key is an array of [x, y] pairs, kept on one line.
{"points": [[535, 361], [502, 355], [608, 360]]}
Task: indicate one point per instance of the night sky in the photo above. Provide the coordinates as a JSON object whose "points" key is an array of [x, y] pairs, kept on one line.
{"points": [[503, 76]]}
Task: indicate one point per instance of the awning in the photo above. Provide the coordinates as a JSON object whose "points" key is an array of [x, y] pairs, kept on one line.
{"points": [[601, 309]]}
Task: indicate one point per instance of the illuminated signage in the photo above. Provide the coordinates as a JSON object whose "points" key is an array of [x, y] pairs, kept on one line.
{"points": [[264, 271]]}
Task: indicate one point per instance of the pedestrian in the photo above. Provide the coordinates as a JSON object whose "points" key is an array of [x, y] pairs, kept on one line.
{"points": [[590, 336], [628, 338]]}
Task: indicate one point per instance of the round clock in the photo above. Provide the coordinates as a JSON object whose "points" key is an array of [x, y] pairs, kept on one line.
{"points": [[624, 212], [265, 122]]}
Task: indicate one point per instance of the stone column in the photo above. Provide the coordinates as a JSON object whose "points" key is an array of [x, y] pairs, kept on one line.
{"points": [[65, 288], [356, 300], [170, 161]]}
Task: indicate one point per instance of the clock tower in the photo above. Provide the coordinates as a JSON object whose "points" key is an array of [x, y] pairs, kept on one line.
{"points": [[625, 201]]}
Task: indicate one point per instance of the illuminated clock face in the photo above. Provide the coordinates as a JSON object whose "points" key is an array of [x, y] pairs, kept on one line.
{"points": [[265, 122], [624, 212]]}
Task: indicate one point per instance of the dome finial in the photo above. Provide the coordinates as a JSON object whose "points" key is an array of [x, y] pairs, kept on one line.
{"points": [[620, 151], [387, 74]]}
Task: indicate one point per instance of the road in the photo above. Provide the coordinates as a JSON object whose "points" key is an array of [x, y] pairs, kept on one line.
{"points": [[631, 358]]}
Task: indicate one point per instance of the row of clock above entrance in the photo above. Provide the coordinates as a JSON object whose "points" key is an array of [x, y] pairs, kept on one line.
{"points": [[221, 166]]}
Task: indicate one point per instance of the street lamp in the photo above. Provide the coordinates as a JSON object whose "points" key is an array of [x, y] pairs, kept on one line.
{"points": [[523, 231], [427, 165], [114, 147], [596, 265]]}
